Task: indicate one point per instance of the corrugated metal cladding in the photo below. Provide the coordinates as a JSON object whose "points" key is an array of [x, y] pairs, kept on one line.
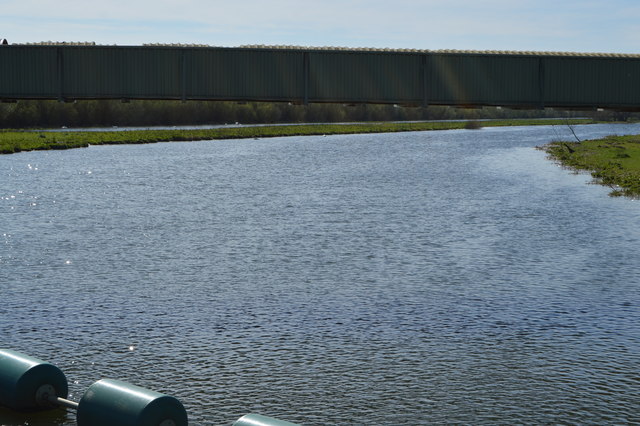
{"points": [[469, 79], [244, 74], [599, 82], [28, 73], [316, 75], [364, 77], [113, 72]]}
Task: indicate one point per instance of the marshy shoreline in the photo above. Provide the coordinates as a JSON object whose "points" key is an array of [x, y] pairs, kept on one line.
{"points": [[613, 161], [13, 141]]}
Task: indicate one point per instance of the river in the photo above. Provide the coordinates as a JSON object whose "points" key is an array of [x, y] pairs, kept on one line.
{"points": [[395, 279]]}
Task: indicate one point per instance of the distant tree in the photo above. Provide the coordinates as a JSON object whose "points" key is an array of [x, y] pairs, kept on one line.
{"points": [[150, 113]]}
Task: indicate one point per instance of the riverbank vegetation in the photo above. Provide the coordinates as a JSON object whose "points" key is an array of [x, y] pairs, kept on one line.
{"points": [[108, 113], [612, 161], [12, 141]]}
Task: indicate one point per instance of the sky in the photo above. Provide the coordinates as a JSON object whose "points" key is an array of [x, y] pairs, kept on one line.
{"points": [[611, 26]]}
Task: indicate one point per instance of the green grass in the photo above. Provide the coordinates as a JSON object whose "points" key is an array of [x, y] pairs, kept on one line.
{"points": [[12, 141], [612, 161]]}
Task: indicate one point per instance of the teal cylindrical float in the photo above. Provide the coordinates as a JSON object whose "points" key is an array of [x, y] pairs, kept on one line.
{"points": [[260, 420], [112, 402], [26, 383]]}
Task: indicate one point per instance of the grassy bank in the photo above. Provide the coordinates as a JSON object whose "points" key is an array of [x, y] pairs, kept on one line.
{"points": [[16, 141], [612, 161]]}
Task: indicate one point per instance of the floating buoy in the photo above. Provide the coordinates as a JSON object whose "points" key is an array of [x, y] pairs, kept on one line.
{"points": [[112, 402], [27, 383], [260, 420]]}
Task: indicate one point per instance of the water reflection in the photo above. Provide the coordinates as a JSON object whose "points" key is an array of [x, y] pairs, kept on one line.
{"points": [[57, 417]]}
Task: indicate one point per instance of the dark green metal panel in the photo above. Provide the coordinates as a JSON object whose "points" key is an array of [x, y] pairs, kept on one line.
{"points": [[122, 72], [592, 82], [298, 75], [468, 79], [28, 72], [364, 77], [245, 74]]}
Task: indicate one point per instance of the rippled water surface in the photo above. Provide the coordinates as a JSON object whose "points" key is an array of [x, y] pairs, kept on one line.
{"points": [[414, 278]]}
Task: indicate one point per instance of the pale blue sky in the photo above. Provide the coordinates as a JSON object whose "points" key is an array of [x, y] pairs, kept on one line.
{"points": [[541, 25]]}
